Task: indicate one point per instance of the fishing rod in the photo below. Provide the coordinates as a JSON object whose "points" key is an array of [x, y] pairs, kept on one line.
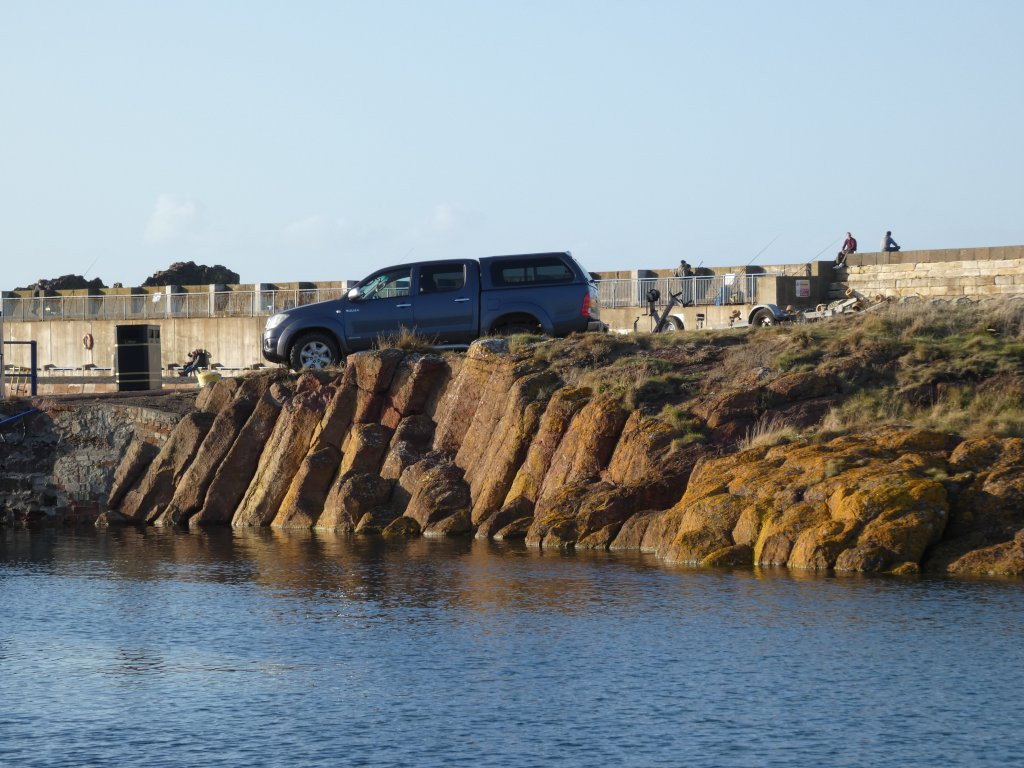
{"points": [[758, 254], [827, 247]]}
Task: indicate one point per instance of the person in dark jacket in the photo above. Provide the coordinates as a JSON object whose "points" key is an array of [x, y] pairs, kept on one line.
{"points": [[849, 246], [888, 244]]}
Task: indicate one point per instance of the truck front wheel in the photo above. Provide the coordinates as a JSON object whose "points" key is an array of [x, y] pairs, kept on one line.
{"points": [[763, 318], [315, 351]]}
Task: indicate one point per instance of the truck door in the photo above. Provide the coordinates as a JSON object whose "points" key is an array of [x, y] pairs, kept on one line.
{"points": [[448, 301], [385, 304]]}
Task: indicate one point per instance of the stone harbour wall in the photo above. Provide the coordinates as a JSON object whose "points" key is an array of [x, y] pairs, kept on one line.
{"points": [[62, 465], [948, 274]]}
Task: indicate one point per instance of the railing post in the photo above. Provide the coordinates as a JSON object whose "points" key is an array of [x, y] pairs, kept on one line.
{"points": [[32, 359]]}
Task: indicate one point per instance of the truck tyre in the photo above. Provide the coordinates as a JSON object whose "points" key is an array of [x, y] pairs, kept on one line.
{"points": [[314, 351], [763, 318], [671, 325]]}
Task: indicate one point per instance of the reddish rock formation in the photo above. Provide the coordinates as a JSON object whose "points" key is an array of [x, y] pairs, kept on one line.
{"points": [[190, 492], [348, 502], [146, 501], [283, 454], [233, 476]]}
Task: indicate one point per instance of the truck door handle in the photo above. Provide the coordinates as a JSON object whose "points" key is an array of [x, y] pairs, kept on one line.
{"points": [[402, 306], [351, 310], [462, 299]]}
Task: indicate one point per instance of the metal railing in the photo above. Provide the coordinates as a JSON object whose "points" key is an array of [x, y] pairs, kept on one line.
{"points": [[19, 380], [699, 290], [155, 306]]}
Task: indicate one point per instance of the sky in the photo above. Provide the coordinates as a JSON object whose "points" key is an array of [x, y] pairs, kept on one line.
{"points": [[321, 140]]}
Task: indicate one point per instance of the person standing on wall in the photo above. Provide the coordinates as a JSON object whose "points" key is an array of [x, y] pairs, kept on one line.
{"points": [[888, 244], [849, 246]]}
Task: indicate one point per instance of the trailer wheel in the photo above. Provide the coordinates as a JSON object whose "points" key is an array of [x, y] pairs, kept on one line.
{"points": [[671, 325], [763, 318]]}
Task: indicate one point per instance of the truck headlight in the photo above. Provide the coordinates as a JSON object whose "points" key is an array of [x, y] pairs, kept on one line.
{"points": [[276, 320]]}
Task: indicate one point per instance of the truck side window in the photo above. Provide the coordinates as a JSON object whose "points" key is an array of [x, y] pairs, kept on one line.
{"points": [[442, 278], [531, 272], [387, 285]]}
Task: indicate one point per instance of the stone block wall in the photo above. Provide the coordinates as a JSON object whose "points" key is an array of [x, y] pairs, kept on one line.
{"points": [[949, 273], [63, 467]]}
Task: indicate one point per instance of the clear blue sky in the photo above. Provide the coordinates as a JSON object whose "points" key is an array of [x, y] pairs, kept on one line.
{"points": [[319, 140]]}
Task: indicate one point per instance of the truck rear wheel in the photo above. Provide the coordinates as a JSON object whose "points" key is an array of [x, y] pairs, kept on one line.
{"points": [[314, 351]]}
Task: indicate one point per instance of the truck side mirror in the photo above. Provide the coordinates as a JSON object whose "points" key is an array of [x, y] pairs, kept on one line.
{"points": [[353, 294]]}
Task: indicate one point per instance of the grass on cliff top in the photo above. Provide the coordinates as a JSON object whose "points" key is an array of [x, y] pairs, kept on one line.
{"points": [[958, 368]]}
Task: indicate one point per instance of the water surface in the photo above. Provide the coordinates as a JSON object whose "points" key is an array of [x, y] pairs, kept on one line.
{"points": [[169, 648]]}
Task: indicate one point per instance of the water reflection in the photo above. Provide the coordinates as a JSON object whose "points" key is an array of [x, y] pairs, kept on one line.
{"points": [[225, 647]]}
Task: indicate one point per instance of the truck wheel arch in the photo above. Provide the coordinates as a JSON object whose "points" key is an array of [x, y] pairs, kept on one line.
{"points": [[517, 322]]}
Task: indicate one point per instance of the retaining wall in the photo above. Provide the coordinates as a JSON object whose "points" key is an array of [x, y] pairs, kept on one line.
{"points": [[949, 273]]}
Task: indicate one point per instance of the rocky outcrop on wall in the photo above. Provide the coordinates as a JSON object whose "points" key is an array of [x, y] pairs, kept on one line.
{"points": [[497, 445]]}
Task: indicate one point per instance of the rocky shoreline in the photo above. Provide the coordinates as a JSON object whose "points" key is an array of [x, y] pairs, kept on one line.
{"points": [[494, 445], [888, 443]]}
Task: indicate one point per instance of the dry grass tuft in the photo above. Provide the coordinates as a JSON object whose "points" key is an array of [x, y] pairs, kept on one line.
{"points": [[407, 340], [769, 432]]}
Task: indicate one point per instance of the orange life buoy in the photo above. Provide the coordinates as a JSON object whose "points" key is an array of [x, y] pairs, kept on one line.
{"points": [[87, 341]]}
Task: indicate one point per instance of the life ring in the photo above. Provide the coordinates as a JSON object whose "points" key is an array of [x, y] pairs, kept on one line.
{"points": [[87, 341]]}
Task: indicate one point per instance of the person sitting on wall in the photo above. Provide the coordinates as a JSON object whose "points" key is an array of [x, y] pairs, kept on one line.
{"points": [[849, 246], [888, 244], [197, 358]]}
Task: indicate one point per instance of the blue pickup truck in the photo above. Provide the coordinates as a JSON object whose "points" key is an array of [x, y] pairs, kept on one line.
{"points": [[450, 302]]}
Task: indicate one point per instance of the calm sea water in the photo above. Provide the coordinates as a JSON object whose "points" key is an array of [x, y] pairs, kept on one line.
{"points": [[221, 649]]}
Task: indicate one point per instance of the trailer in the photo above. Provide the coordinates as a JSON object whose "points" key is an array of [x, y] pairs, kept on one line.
{"points": [[677, 318]]}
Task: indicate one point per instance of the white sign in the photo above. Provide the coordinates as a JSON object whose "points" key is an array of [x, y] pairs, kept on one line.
{"points": [[803, 289]]}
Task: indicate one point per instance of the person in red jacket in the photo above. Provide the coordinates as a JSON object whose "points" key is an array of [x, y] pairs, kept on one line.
{"points": [[849, 246]]}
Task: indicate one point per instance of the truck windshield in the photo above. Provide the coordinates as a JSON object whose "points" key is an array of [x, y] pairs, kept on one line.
{"points": [[387, 285]]}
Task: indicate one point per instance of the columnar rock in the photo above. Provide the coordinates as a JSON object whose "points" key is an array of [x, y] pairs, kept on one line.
{"points": [[372, 372], [304, 501], [214, 397], [410, 443], [580, 510], [409, 481], [441, 502], [458, 406], [562, 408], [414, 386], [283, 455], [191, 490], [364, 449], [587, 446], [631, 534], [136, 461], [645, 458], [491, 456], [349, 502], [147, 499], [232, 478], [337, 419]]}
